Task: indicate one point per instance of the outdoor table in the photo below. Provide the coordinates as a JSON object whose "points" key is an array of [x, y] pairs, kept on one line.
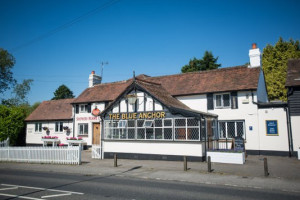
{"points": [[79, 142], [53, 141]]}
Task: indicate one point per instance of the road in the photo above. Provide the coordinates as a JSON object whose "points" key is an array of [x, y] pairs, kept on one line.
{"points": [[24, 184]]}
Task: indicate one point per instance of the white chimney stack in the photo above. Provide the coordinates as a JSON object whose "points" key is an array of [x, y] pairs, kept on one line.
{"points": [[254, 55], [94, 79]]}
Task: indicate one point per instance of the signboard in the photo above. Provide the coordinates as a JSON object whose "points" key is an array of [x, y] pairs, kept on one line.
{"points": [[144, 115], [239, 144], [272, 127]]}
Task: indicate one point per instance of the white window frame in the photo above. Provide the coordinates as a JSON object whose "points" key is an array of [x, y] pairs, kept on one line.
{"points": [[222, 100], [60, 128], [84, 125], [38, 127], [122, 124], [148, 126], [235, 127], [85, 108]]}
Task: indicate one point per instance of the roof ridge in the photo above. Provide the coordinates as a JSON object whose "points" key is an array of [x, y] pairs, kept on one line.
{"points": [[59, 99], [114, 82], [202, 72]]}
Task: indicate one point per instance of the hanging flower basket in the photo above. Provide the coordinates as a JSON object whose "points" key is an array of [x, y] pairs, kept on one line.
{"points": [[66, 128], [45, 128]]}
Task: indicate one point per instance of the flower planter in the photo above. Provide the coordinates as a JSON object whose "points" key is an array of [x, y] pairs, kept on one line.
{"points": [[227, 157]]}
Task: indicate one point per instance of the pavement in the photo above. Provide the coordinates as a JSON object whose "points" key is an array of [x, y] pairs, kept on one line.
{"points": [[284, 172]]}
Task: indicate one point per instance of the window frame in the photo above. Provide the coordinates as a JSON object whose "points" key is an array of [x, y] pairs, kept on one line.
{"points": [[38, 127], [222, 100], [85, 110], [235, 128], [59, 127], [84, 125]]}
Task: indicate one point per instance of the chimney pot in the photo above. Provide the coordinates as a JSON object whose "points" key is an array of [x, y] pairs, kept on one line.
{"points": [[93, 72], [254, 46]]}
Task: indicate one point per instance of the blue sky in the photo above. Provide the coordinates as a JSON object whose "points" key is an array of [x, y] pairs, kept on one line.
{"points": [[153, 37]]}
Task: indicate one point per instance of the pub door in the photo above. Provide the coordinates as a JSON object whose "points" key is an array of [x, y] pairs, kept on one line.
{"points": [[96, 133]]}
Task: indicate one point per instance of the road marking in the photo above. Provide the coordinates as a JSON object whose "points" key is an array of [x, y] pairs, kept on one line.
{"points": [[37, 188], [20, 197], [12, 188], [56, 195]]}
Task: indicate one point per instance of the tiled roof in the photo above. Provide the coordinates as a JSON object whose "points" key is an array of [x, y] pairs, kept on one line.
{"points": [[219, 80], [293, 73], [102, 92], [52, 110]]}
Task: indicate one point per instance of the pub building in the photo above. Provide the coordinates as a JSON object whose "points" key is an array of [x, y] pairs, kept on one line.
{"points": [[171, 116], [146, 122]]}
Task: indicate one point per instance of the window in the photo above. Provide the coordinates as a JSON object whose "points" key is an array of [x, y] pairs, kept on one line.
{"points": [[38, 127], [83, 108], [222, 100], [231, 129], [148, 123], [83, 129], [58, 126], [122, 124]]}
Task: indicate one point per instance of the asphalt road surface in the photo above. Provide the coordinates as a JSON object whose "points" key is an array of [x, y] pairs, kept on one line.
{"points": [[21, 184]]}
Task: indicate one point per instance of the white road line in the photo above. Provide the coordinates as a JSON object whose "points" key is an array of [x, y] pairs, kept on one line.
{"points": [[20, 197], [56, 195], [37, 188], [12, 188]]}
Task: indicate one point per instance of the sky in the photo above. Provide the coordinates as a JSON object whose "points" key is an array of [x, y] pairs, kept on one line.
{"points": [[59, 42]]}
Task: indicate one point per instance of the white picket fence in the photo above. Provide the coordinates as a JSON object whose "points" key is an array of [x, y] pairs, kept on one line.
{"points": [[96, 152], [55, 155], [4, 143]]}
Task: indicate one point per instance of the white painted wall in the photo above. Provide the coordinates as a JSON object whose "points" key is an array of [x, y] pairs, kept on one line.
{"points": [[273, 143], [160, 148], [295, 123], [89, 119], [33, 137], [246, 111]]}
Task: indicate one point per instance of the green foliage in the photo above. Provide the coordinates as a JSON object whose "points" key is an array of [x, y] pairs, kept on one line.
{"points": [[62, 92], [12, 123], [20, 92], [208, 62], [274, 62], [7, 62]]}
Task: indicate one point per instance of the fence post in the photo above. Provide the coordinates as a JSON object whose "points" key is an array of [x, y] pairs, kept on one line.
{"points": [[79, 155], [115, 160], [184, 163], [266, 167], [208, 164]]}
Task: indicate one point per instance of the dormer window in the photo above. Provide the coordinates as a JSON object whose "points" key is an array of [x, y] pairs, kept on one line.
{"points": [[222, 100]]}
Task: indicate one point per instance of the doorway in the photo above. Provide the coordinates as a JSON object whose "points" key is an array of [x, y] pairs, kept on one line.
{"points": [[96, 133]]}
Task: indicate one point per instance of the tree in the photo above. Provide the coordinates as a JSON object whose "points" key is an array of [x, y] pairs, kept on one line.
{"points": [[208, 62], [274, 62], [62, 92], [7, 62], [20, 92]]}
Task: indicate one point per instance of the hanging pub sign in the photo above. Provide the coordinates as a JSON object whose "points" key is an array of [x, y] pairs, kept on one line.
{"points": [[272, 127], [96, 111], [143, 115]]}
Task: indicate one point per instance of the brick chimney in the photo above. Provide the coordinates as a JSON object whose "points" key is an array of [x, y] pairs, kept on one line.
{"points": [[94, 79], [254, 54]]}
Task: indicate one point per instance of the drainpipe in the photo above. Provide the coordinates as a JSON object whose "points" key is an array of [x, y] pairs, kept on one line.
{"points": [[74, 111], [289, 129]]}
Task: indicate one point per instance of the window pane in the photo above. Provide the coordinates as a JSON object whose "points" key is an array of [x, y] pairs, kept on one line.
{"points": [[231, 129], [168, 133], [149, 133], [226, 100], [180, 134], [36, 127], [40, 127], [61, 127], [218, 100], [80, 129], [56, 126], [158, 133], [240, 129], [141, 133], [222, 130], [86, 129]]}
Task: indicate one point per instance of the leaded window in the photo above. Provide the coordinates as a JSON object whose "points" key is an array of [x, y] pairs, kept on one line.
{"points": [[231, 129]]}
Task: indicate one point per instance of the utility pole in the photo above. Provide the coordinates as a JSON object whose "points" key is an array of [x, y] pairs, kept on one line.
{"points": [[102, 64]]}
